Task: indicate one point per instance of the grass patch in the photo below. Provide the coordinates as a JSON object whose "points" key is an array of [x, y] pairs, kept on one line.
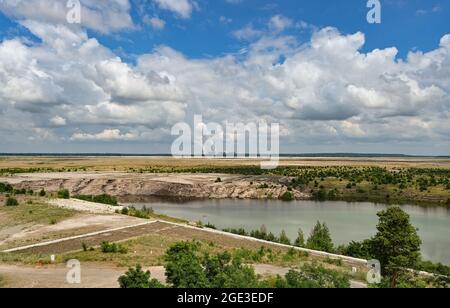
{"points": [[37, 212]]}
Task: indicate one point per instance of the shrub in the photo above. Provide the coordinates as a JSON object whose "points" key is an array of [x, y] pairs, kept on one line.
{"points": [[219, 180], [144, 213], [287, 196], [64, 194], [6, 188], [210, 226], [136, 278], [42, 193], [11, 202], [311, 277], [108, 247], [320, 195]]}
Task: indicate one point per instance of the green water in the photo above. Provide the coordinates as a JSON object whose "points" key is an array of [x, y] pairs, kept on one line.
{"points": [[347, 221]]}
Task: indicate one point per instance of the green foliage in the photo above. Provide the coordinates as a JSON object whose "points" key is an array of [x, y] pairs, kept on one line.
{"points": [[361, 250], [22, 191], [64, 194], [396, 245], [312, 277], [287, 196], [300, 241], [210, 226], [144, 213], [284, 239], [42, 193], [240, 231], [320, 238], [6, 188], [320, 195], [11, 202], [108, 247], [186, 267], [136, 278], [103, 199], [435, 268]]}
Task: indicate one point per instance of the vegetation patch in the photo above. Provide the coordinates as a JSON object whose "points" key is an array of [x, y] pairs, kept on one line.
{"points": [[64, 194], [11, 202], [188, 267], [103, 199], [108, 247]]}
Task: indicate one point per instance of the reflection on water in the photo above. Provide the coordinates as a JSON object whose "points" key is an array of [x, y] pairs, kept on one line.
{"points": [[347, 221]]}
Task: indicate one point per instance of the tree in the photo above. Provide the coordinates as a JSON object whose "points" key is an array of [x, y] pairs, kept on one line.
{"points": [[360, 250], [187, 268], [396, 245], [284, 238], [224, 272], [300, 241], [184, 268], [320, 238], [136, 278]]}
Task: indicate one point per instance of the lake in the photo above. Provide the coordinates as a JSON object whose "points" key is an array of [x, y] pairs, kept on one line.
{"points": [[347, 221]]}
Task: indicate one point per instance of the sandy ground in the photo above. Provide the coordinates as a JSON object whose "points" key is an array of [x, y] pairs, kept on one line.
{"points": [[96, 276], [83, 206]]}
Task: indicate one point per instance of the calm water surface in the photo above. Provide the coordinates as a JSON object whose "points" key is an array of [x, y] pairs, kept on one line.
{"points": [[347, 221]]}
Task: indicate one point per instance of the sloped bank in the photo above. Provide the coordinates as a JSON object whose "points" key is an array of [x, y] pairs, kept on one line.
{"points": [[148, 187]]}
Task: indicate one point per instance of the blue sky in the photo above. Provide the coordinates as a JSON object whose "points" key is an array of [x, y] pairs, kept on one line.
{"points": [[122, 78], [406, 24]]}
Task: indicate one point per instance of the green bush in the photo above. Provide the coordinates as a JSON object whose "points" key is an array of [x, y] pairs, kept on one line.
{"points": [[311, 277], [287, 196], [136, 278], [64, 194], [42, 193], [320, 195], [6, 188], [11, 202], [108, 247], [144, 213]]}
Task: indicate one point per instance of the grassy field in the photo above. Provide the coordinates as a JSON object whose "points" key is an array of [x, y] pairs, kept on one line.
{"points": [[32, 210]]}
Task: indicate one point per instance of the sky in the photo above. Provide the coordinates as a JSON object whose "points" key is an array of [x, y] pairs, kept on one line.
{"points": [[118, 80]]}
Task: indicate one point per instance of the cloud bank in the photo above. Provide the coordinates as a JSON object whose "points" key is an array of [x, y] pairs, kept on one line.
{"points": [[68, 89]]}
